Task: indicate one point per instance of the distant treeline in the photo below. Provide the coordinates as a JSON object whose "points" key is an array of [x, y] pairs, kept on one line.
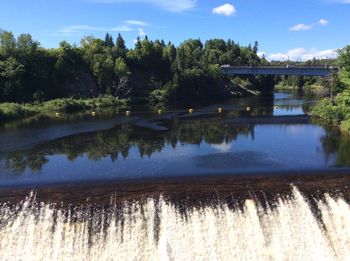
{"points": [[154, 70], [304, 81]]}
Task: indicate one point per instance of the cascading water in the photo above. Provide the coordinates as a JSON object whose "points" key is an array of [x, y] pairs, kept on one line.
{"points": [[156, 230]]}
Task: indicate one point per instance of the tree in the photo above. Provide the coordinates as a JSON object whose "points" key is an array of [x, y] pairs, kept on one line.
{"points": [[87, 42], [25, 42], [344, 65], [122, 87], [189, 54], [11, 85], [109, 41], [120, 43], [256, 47], [7, 42], [103, 70]]}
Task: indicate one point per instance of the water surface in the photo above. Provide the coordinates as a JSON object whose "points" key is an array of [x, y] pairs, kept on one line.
{"points": [[251, 135]]}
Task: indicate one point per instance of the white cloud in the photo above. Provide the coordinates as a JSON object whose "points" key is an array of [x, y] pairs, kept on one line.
{"points": [[142, 33], [223, 147], [170, 5], [226, 9], [136, 22], [121, 28], [126, 26], [307, 27], [301, 27], [261, 54], [323, 22], [83, 29], [301, 54]]}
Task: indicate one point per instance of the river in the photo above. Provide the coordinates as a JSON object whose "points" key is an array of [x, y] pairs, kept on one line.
{"points": [[257, 180]]}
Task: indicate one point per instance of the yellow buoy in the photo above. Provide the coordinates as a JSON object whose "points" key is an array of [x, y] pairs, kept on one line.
{"points": [[220, 110], [190, 110], [248, 108], [159, 111], [57, 114], [93, 113], [127, 113]]}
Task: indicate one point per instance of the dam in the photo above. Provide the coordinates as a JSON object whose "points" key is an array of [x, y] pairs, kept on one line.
{"points": [[270, 221]]}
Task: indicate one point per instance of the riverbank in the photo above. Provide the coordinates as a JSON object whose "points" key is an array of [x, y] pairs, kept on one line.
{"points": [[12, 111], [319, 90], [334, 111]]}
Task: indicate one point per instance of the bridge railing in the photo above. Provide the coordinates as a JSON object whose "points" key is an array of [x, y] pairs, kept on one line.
{"points": [[279, 70]]}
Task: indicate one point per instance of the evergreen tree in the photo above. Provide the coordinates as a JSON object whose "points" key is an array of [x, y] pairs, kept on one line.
{"points": [[120, 46], [109, 41]]}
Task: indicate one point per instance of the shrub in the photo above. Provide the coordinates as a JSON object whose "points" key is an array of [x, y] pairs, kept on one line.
{"points": [[336, 111], [9, 111], [345, 125], [158, 96], [63, 105]]}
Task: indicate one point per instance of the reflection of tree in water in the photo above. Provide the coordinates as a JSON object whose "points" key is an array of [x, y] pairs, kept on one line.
{"points": [[337, 143], [117, 142], [19, 161]]}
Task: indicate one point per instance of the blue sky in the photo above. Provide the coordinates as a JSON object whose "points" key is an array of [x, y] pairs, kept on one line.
{"points": [[298, 29]]}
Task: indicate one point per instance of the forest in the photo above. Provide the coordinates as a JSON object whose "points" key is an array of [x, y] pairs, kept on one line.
{"points": [[105, 72], [152, 70]]}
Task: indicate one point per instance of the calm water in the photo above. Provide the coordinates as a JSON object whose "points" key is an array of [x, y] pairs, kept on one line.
{"points": [[112, 146]]}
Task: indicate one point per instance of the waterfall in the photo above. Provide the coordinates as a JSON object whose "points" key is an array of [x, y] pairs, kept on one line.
{"points": [[155, 229]]}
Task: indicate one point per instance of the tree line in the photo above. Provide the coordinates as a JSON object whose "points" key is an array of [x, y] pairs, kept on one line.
{"points": [[304, 81], [154, 70]]}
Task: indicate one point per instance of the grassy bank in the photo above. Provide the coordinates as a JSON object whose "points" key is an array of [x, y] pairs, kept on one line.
{"points": [[11, 111], [334, 111]]}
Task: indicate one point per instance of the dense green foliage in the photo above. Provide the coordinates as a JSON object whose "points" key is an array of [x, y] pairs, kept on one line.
{"points": [[337, 110], [152, 69], [344, 64]]}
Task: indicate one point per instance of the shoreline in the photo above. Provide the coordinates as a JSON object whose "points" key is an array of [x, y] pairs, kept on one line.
{"points": [[14, 111]]}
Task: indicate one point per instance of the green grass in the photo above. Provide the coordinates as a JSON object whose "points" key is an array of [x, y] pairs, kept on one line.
{"points": [[11, 111], [68, 105]]}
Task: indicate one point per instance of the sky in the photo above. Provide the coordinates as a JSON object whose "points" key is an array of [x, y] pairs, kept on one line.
{"points": [[285, 29]]}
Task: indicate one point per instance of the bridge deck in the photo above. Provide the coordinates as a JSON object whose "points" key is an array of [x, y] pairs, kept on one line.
{"points": [[298, 71]]}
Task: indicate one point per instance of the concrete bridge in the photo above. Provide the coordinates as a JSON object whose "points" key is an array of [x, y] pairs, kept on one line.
{"points": [[288, 70]]}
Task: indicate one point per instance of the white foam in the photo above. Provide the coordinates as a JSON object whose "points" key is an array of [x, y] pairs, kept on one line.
{"points": [[289, 231]]}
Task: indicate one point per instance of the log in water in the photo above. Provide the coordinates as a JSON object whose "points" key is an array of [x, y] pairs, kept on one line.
{"points": [[290, 228]]}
